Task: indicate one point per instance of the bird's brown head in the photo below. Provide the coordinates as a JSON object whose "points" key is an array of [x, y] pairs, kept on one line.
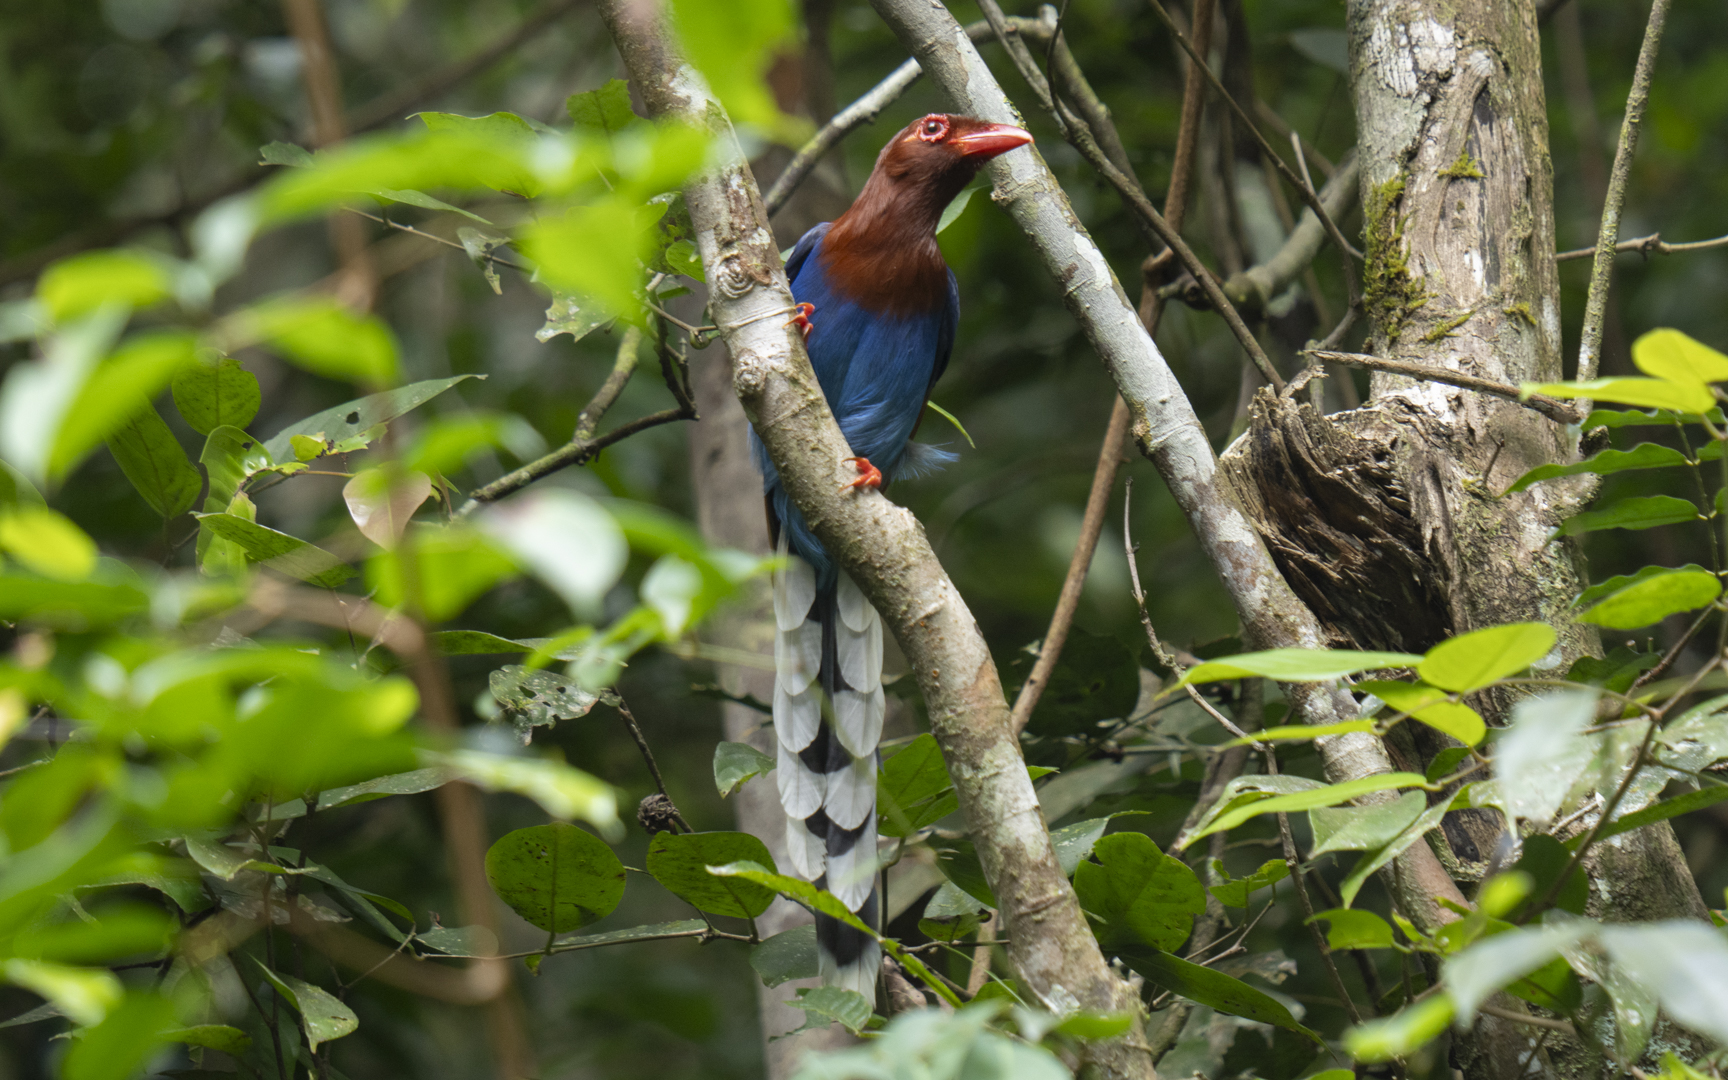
{"points": [[925, 165]]}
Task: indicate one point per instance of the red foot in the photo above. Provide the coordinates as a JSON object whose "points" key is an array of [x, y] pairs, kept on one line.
{"points": [[869, 476], [802, 319]]}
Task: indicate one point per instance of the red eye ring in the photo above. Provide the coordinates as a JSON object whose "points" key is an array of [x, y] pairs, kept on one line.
{"points": [[933, 129]]}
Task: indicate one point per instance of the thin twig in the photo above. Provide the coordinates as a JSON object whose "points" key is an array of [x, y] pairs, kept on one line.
{"points": [[1596, 305], [1307, 191], [1116, 430], [575, 453], [653, 766], [1553, 408], [623, 366], [1159, 649], [1526, 1018], [397, 225], [1644, 245]]}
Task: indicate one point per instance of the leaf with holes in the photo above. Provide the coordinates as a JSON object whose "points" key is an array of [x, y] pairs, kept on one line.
{"points": [[536, 698], [351, 418]]}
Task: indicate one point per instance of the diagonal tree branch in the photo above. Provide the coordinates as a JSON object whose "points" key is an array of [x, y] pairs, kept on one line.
{"points": [[1164, 424], [883, 548]]}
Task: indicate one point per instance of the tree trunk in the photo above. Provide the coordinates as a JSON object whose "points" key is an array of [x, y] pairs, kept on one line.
{"points": [[1388, 520]]}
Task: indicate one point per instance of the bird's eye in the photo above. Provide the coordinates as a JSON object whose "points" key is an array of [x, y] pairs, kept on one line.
{"points": [[933, 129]]}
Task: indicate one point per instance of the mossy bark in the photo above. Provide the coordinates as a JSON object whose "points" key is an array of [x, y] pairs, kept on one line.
{"points": [[1389, 520]]}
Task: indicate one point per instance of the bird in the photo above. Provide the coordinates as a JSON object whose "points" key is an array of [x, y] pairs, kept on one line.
{"points": [[878, 307]]}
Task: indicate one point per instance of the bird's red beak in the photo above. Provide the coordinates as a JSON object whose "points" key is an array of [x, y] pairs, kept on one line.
{"points": [[983, 143]]}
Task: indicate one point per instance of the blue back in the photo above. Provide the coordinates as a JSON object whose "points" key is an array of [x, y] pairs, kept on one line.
{"points": [[876, 371]]}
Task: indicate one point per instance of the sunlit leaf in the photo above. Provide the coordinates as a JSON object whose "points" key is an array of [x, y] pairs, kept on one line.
{"points": [[115, 1048], [566, 538], [1328, 795], [47, 542], [1477, 659], [605, 111], [1363, 828], [1672, 355], [561, 790], [1652, 595], [1684, 962], [281, 552], [118, 389], [1492, 963], [1348, 929], [83, 283], [354, 417], [1401, 1033], [210, 395], [323, 337], [453, 566], [1691, 397], [1297, 665]]}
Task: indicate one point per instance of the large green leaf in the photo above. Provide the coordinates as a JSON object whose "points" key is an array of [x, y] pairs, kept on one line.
{"points": [[1347, 929], [1400, 1034], [323, 336], [350, 418], [605, 111], [1205, 986], [680, 862], [120, 1044], [1138, 893], [556, 876], [913, 788], [210, 395], [82, 283], [1638, 512], [1474, 660], [1297, 665], [279, 551], [1498, 960], [1650, 596], [153, 460], [1669, 354], [1363, 828], [1234, 892], [1684, 962], [120, 387], [1430, 705], [47, 542], [1642, 456]]}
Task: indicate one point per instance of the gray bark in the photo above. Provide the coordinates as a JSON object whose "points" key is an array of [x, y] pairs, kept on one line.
{"points": [[884, 549]]}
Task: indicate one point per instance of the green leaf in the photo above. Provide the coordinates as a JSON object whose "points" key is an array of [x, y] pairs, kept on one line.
{"points": [[605, 111], [354, 417], [954, 209], [1302, 732], [952, 419], [1672, 355], [119, 388], [1544, 859], [1661, 811], [1498, 960], [1363, 828], [562, 791], [1618, 418], [958, 861], [382, 501], [913, 788], [556, 876], [38, 394], [1402, 1033], [321, 1015], [459, 940], [1429, 704], [1297, 665], [788, 955], [82, 283], [536, 697], [83, 995], [1097, 678], [281, 153], [411, 197], [447, 443], [78, 605], [279, 551], [506, 131], [322, 336], [120, 1044], [47, 542], [733, 48], [680, 862], [1477, 659], [594, 251], [734, 763], [1234, 892], [1690, 397], [1684, 962], [228, 1040], [1537, 762], [544, 526], [577, 316], [1329, 795], [1139, 893], [1642, 456], [832, 1004], [1638, 512], [1651, 597], [1073, 843], [651, 932], [456, 564], [1205, 986], [1347, 929], [153, 460], [211, 395]]}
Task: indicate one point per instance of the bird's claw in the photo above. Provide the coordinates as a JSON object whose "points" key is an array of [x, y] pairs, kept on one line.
{"points": [[869, 476], [802, 319]]}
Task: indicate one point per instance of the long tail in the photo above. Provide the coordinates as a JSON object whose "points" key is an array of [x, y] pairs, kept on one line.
{"points": [[828, 652]]}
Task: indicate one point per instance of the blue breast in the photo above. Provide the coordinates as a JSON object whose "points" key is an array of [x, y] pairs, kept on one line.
{"points": [[875, 369]]}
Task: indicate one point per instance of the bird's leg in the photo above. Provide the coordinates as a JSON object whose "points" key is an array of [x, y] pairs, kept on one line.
{"points": [[802, 319], [869, 476]]}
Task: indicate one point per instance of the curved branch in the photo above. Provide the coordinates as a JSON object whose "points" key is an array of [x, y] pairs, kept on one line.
{"points": [[1164, 423], [881, 546], [1254, 288]]}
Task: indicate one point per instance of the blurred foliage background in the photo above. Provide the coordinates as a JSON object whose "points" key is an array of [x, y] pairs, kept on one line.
{"points": [[120, 119]]}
